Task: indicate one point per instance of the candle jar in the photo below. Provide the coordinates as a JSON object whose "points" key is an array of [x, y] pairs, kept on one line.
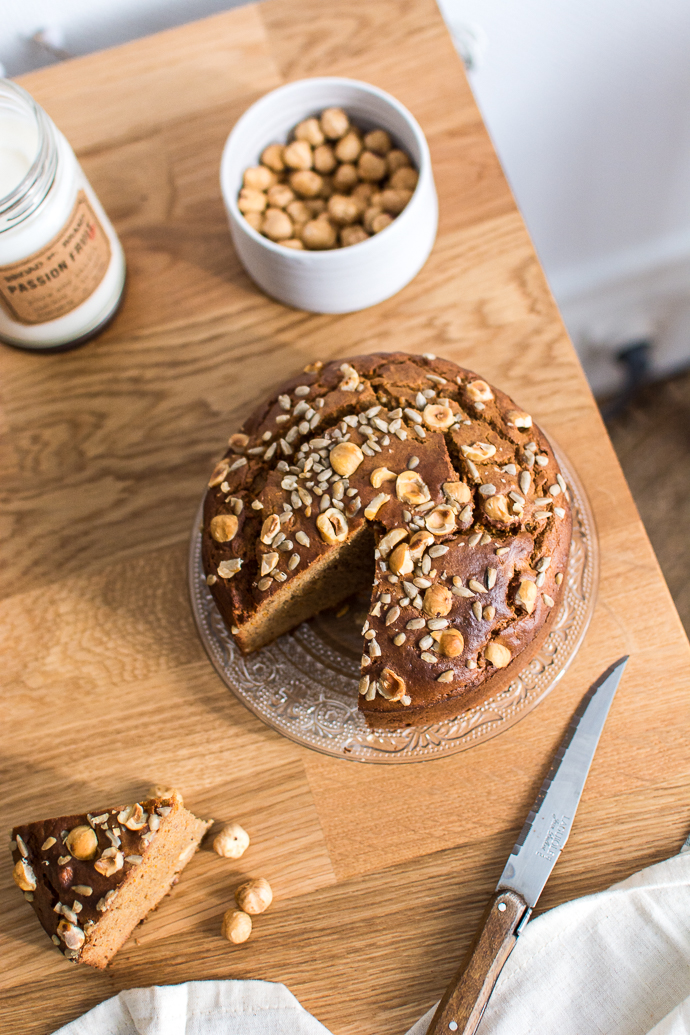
{"points": [[62, 268]]}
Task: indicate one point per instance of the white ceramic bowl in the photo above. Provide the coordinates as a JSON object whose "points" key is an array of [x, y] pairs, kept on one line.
{"points": [[344, 279]]}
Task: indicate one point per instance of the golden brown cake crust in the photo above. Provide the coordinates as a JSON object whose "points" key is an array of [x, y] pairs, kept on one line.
{"points": [[407, 446]]}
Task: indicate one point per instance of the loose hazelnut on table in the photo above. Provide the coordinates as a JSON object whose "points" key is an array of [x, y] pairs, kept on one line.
{"points": [[334, 123], [232, 841], [254, 896], [237, 926]]}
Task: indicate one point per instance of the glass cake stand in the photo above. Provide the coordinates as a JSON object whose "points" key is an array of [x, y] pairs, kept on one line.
{"points": [[305, 683]]}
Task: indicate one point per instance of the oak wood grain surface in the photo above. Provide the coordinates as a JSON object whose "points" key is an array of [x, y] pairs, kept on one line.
{"points": [[380, 873]]}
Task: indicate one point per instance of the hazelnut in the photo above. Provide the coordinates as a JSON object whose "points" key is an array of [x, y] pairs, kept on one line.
{"points": [[110, 862], [497, 654], [298, 155], [237, 926], [334, 123], [348, 148], [327, 187], [238, 441], [478, 391], [345, 458], [391, 685], [419, 543], [364, 191], [228, 569], [309, 130], [400, 562], [298, 212], [292, 242], [451, 643], [350, 378], [409, 488], [440, 520], [350, 235], [519, 418], [380, 475], [345, 177], [373, 507], [343, 209], [251, 200], [378, 141], [371, 166], [277, 224], [23, 876], [404, 178], [133, 817], [332, 525], [314, 368], [219, 473], [71, 934], [255, 219], [394, 201], [268, 562], [306, 183], [316, 207], [280, 196], [457, 491], [272, 156], [324, 159], [479, 452], [390, 539], [318, 235], [254, 896], [163, 790], [438, 417], [438, 600], [270, 529], [258, 178], [223, 528], [526, 595], [496, 508], [82, 842], [380, 221], [396, 159], [232, 841]]}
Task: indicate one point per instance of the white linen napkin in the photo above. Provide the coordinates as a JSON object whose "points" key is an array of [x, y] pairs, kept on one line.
{"points": [[614, 963]]}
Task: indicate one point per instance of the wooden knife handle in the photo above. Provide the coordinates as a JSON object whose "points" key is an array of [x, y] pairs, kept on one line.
{"points": [[464, 1002]]}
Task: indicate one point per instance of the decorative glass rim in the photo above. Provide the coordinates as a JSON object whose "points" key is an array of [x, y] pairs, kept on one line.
{"points": [[305, 687]]}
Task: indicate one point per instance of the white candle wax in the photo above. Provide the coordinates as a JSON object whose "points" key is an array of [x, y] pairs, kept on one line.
{"points": [[18, 148]]}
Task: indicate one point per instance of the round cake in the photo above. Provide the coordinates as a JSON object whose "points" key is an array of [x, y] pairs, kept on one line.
{"points": [[414, 477]]}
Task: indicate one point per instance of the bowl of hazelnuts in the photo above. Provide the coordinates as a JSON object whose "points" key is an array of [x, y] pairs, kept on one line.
{"points": [[329, 193]]}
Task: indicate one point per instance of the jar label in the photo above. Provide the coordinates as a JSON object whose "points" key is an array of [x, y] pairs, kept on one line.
{"points": [[59, 277]]}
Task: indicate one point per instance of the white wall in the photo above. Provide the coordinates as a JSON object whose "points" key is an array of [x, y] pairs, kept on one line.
{"points": [[588, 103]]}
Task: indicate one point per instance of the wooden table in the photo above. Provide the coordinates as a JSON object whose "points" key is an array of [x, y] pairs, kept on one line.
{"points": [[380, 873]]}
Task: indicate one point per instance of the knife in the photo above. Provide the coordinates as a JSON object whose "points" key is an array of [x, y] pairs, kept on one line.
{"points": [[530, 863]]}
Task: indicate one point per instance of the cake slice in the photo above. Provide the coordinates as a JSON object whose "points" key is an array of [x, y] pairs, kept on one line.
{"points": [[92, 878]]}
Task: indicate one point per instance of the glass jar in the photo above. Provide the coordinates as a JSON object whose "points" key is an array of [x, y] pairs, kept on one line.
{"points": [[62, 268]]}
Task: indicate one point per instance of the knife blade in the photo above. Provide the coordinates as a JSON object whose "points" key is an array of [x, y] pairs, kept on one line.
{"points": [[530, 863]]}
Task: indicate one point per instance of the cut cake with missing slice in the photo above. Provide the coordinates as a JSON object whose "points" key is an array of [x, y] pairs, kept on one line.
{"points": [[92, 878]]}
